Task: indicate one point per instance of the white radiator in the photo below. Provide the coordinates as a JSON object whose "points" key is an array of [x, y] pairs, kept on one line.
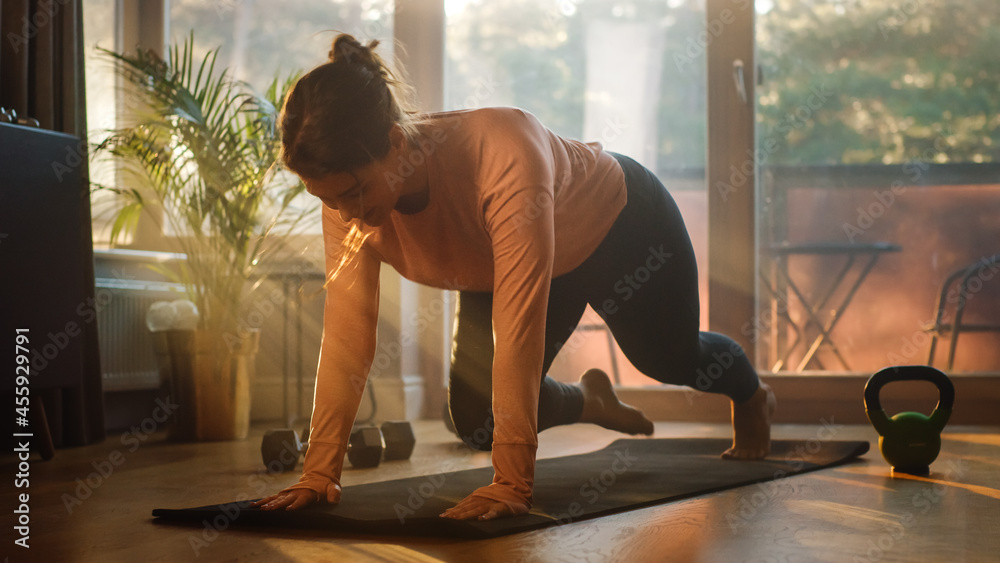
{"points": [[127, 359], [128, 362]]}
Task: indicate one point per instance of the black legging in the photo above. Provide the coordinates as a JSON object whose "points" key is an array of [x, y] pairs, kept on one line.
{"points": [[643, 281]]}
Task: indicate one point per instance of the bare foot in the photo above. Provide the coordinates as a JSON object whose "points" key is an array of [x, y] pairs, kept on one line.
{"points": [[752, 426], [602, 407]]}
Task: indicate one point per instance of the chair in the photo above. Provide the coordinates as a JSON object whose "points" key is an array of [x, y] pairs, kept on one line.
{"points": [[956, 289]]}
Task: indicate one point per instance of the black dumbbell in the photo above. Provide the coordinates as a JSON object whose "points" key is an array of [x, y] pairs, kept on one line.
{"points": [[368, 446]]}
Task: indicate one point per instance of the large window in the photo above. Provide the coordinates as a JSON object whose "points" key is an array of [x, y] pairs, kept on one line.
{"points": [[879, 127], [261, 38]]}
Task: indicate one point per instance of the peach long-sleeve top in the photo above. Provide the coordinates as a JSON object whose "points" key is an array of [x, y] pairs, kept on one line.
{"points": [[511, 205]]}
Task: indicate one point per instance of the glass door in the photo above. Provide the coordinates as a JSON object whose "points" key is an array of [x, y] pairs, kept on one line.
{"points": [[878, 129]]}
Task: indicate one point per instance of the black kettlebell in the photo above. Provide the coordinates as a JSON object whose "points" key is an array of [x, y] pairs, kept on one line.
{"points": [[909, 441]]}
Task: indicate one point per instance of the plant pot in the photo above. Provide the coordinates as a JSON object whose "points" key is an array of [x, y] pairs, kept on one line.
{"points": [[208, 377]]}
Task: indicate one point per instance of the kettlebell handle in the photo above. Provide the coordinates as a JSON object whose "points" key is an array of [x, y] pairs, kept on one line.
{"points": [[909, 373], [873, 407]]}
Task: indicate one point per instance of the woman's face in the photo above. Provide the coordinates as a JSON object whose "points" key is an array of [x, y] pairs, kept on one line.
{"points": [[362, 194], [371, 192]]}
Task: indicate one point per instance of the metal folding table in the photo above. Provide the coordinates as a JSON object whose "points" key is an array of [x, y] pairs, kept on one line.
{"points": [[813, 309]]}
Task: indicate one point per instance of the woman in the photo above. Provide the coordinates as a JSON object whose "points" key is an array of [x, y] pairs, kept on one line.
{"points": [[530, 228]]}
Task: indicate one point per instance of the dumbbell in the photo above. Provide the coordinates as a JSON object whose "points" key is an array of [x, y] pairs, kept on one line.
{"points": [[368, 446]]}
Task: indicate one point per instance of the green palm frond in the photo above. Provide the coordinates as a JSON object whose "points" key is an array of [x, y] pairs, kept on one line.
{"points": [[205, 147]]}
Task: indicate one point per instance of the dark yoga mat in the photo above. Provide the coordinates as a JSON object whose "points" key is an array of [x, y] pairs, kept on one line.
{"points": [[627, 474]]}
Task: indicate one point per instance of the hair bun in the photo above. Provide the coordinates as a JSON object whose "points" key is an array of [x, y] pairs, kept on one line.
{"points": [[349, 50]]}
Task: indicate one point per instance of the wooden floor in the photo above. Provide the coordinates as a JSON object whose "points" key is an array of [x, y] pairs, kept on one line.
{"points": [[851, 513]]}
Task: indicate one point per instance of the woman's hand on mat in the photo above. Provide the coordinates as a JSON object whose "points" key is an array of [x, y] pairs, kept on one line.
{"points": [[292, 499], [482, 508]]}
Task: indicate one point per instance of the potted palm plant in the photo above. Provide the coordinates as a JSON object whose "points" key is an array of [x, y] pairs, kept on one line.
{"points": [[204, 150]]}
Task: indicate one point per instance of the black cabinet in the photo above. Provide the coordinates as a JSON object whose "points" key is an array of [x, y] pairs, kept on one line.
{"points": [[46, 256], [47, 281]]}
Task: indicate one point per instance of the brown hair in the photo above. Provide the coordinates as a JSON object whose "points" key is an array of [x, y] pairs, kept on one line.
{"points": [[337, 117]]}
